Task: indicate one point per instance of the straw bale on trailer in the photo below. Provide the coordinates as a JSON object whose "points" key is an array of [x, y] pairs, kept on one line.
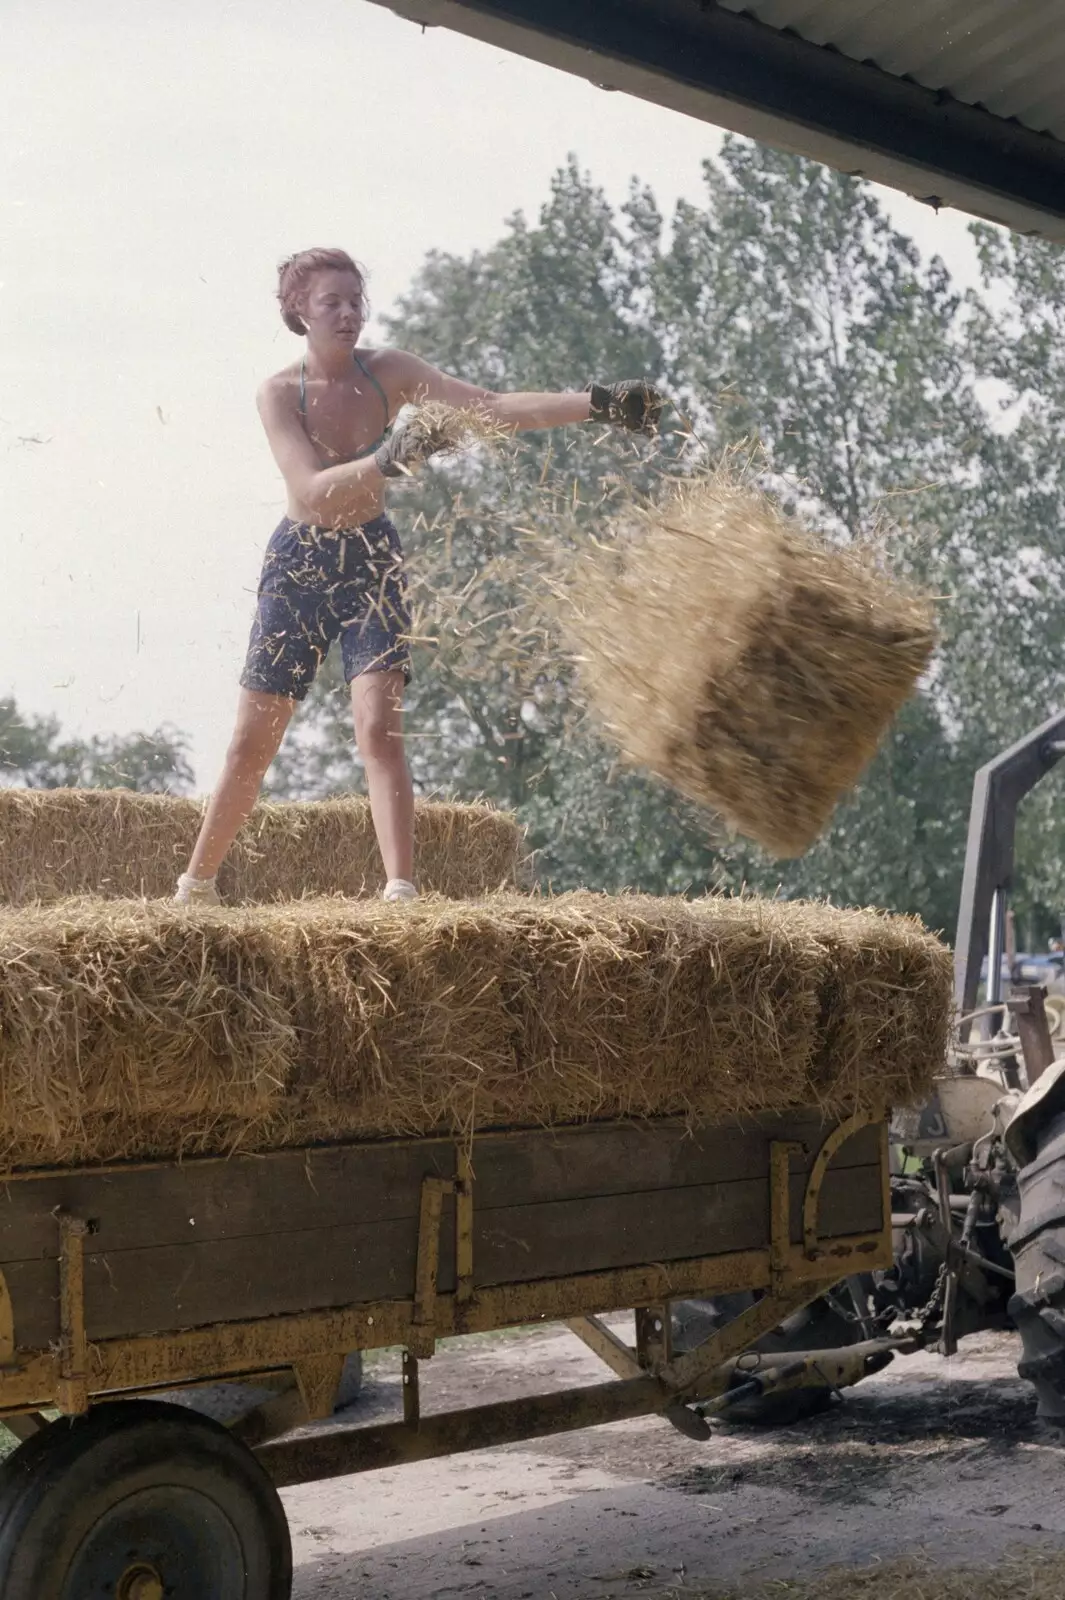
{"points": [[115, 843], [744, 659], [138, 1029], [876, 969]]}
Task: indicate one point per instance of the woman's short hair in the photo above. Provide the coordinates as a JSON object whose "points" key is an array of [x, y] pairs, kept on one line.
{"points": [[295, 273]]}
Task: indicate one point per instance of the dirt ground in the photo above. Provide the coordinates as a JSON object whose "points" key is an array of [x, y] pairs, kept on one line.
{"points": [[943, 1459]]}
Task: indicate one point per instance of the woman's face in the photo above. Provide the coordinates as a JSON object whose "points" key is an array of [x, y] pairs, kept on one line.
{"points": [[333, 308]]}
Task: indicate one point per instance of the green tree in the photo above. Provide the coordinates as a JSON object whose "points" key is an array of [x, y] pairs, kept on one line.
{"points": [[35, 754], [805, 319], [1012, 660]]}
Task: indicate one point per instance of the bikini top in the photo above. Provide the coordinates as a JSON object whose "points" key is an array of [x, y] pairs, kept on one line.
{"points": [[370, 448]]}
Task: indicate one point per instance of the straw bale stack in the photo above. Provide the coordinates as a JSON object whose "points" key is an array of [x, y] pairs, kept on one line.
{"points": [[118, 844], [742, 658], [139, 1029]]}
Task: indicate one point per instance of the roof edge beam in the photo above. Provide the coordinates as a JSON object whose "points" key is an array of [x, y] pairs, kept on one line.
{"points": [[731, 70]]}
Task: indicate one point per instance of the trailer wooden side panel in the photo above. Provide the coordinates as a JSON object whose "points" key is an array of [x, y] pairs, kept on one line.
{"points": [[178, 1246]]}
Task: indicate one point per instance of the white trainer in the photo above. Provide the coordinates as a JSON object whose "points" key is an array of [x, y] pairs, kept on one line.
{"points": [[399, 889], [196, 891]]}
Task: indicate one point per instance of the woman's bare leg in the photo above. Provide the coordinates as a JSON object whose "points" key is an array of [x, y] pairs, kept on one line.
{"points": [[377, 705], [261, 723]]}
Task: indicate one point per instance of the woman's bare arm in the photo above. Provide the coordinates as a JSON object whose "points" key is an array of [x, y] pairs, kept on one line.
{"points": [[332, 494], [415, 380]]}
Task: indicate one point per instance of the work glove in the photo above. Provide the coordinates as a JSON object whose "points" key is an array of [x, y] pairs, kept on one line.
{"points": [[633, 403], [409, 445]]}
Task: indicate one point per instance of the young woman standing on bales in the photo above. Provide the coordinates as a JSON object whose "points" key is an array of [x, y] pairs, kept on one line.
{"points": [[333, 567]]}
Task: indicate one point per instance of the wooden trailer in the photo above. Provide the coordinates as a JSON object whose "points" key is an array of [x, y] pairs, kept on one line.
{"points": [[441, 1119], [126, 1281]]}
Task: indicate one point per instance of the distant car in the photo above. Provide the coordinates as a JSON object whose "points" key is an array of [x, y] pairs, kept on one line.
{"points": [[1048, 969]]}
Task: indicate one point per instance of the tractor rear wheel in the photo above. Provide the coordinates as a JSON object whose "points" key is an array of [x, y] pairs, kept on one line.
{"points": [[1038, 1248]]}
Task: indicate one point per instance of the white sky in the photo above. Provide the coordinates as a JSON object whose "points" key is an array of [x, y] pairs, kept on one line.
{"points": [[157, 161]]}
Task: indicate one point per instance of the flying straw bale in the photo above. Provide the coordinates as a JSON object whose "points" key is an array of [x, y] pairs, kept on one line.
{"points": [[138, 1029], [119, 844], [746, 660]]}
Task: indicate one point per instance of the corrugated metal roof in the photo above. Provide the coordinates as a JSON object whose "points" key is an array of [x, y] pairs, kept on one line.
{"points": [[957, 102], [1005, 55]]}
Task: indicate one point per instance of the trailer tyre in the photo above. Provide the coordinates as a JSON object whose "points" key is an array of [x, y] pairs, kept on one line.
{"points": [[140, 1501]]}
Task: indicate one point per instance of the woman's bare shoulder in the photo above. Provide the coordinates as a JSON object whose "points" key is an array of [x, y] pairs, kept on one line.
{"points": [[381, 360], [280, 387], [388, 368], [395, 370]]}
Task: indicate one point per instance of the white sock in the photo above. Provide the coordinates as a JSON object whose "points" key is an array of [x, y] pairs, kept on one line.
{"points": [[196, 891], [399, 889]]}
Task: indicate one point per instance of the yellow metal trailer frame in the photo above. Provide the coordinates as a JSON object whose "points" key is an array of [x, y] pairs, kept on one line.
{"points": [[302, 1355]]}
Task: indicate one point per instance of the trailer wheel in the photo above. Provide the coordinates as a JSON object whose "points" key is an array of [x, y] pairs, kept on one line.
{"points": [[140, 1501]]}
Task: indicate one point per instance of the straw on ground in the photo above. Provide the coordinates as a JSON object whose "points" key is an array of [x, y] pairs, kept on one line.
{"points": [[1027, 1575]]}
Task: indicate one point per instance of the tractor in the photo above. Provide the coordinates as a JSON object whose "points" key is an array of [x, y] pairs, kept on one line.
{"points": [[978, 1172]]}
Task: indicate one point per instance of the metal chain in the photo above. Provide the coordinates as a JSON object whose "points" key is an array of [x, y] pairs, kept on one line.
{"points": [[935, 1302]]}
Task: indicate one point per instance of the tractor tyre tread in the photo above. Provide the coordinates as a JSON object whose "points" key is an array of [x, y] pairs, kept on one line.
{"points": [[1038, 1313]]}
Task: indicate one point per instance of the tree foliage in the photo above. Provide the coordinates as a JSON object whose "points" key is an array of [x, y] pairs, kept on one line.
{"points": [[1011, 662], [35, 754]]}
